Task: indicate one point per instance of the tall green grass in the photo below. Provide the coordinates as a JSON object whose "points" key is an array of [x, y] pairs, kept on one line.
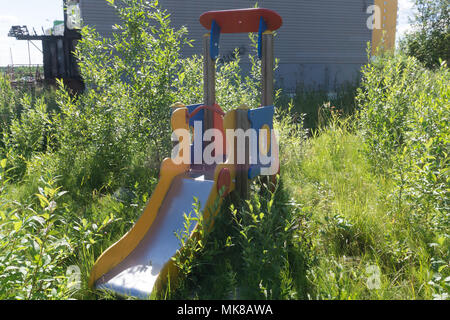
{"points": [[375, 187], [352, 226], [317, 104]]}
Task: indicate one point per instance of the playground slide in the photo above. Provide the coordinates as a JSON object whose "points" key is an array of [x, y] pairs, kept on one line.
{"points": [[133, 265], [137, 273]]}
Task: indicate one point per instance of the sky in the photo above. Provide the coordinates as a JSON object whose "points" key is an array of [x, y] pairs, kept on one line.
{"points": [[41, 14], [33, 13], [405, 11]]}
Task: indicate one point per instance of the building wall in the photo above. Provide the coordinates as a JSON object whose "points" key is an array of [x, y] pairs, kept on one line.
{"points": [[322, 43], [99, 14]]}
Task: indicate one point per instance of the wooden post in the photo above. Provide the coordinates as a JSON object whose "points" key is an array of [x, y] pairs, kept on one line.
{"points": [[242, 184], [267, 64], [209, 79]]}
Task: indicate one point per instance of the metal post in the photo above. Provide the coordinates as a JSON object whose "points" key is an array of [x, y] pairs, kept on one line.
{"points": [[209, 79], [267, 64], [29, 59]]}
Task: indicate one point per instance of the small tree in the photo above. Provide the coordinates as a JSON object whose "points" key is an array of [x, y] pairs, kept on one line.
{"points": [[124, 112], [430, 41]]}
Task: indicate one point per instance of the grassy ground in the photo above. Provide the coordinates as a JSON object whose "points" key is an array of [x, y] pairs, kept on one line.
{"points": [[355, 231]]}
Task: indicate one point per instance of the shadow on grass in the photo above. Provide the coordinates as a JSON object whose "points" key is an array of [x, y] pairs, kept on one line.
{"points": [[253, 251]]}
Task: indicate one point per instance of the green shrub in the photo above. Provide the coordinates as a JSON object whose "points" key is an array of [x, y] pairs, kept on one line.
{"points": [[124, 111], [27, 135], [384, 98], [46, 248], [404, 121], [404, 112], [7, 106], [32, 250]]}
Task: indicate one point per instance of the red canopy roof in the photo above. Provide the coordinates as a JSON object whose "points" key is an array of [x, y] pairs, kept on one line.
{"points": [[241, 20]]}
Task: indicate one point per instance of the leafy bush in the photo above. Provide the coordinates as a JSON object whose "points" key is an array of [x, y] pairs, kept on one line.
{"points": [[125, 109], [385, 100], [32, 250], [43, 243], [7, 105], [404, 121], [28, 134], [245, 254]]}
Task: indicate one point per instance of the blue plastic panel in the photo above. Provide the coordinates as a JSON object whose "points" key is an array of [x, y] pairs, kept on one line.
{"points": [[258, 118], [215, 39], [262, 28], [197, 117]]}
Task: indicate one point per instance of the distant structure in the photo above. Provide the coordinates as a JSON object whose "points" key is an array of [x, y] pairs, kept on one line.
{"points": [[323, 44], [58, 43]]}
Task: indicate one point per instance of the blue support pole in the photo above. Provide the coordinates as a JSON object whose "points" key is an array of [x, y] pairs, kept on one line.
{"points": [[215, 39], [262, 28]]}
